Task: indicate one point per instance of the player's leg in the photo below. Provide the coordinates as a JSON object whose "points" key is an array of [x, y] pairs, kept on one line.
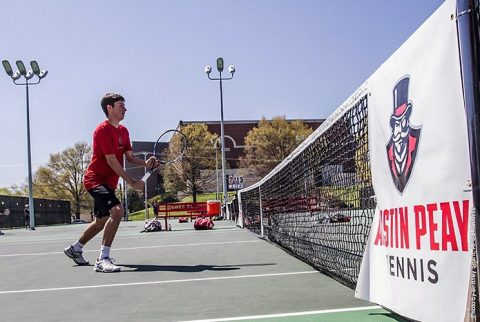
{"points": [[111, 227], [93, 229], [113, 211], [105, 263], [75, 251]]}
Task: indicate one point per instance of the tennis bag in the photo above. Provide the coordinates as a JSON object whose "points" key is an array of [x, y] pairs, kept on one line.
{"points": [[203, 223], [152, 225]]}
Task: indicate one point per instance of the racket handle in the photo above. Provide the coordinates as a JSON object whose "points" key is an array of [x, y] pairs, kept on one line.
{"points": [[146, 176]]}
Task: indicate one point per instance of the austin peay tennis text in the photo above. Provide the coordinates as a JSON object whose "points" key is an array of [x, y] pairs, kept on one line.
{"points": [[439, 227]]}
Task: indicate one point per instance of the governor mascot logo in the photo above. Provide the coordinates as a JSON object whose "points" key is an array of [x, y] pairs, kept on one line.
{"points": [[403, 145]]}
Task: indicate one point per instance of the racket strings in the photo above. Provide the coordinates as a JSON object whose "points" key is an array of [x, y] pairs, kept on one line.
{"points": [[170, 147]]}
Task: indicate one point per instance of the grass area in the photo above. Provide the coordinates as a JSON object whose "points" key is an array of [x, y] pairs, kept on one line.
{"points": [[140, 214], [206, 196], [350, 194]]}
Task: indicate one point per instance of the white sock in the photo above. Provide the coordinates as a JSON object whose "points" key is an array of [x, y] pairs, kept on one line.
{"points": [[78, 246], [104, 252]]}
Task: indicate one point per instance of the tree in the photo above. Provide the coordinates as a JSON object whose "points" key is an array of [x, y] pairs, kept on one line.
{"points": [[270, 142], [135, 201], [196, 170], [15, 190], [62, 177], [5, 192]]}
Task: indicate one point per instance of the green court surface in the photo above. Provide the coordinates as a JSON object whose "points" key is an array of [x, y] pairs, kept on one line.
{"points": [[362, 314], [225, 274], [371, 315]]}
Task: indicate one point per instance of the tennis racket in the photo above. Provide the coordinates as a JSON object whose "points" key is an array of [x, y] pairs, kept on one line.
{"points": [[169, 148]]}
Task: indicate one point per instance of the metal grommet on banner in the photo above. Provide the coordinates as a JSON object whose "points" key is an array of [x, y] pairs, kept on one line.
{"points": [[469, 185]]}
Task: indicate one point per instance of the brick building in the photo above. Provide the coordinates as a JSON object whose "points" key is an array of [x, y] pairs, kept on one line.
{"points": [[235, 133]]}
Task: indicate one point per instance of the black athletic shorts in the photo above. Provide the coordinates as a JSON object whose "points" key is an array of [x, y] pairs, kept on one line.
{"points": [[105, 200]]}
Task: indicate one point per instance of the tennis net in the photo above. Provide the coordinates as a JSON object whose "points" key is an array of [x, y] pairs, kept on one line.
{"points": [[319, 202]]}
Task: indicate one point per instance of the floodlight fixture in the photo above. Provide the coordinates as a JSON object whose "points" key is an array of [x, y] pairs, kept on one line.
{"points": [[35, 68], [231, 69], [208, 69], [29, 75], [220, 64], [7, 67], [21, 67], [43, 73], [16, 76]]}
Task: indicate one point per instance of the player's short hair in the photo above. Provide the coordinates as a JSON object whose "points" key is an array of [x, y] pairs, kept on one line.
{"points": [[110, 99]]}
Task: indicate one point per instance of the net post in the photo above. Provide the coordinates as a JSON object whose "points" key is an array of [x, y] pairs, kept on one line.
{"points": [[261, 210], [239, 220]]}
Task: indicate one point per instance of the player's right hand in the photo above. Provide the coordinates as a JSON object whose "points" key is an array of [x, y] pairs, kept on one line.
{"points": [[152, 163], [137, 185]]}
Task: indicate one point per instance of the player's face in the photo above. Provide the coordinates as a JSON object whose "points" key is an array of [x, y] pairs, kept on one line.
{"points": [[118, 110]]}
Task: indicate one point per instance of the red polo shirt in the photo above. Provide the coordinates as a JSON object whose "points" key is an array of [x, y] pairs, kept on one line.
{"points": [[107, 139]]}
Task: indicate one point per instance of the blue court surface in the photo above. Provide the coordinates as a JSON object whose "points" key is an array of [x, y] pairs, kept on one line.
{"points": [[225, 274]]}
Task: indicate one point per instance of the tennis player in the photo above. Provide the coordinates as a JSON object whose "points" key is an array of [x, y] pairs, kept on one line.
{"points": [[110, 142]]}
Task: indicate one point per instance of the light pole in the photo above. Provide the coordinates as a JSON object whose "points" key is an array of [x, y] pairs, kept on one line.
{"points": [[22, 72], [231, 70], [125, 189], [216, 148], [147, 216]]}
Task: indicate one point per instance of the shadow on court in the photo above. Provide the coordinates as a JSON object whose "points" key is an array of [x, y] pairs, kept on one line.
{"points": [[186, 268], [389, 317]]}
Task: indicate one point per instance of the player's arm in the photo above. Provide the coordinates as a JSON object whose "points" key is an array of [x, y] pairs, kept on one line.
{"points": [[117, 167]]}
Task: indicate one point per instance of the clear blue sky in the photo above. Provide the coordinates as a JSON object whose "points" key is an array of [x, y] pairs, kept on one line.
{"points": [[296, 58]]}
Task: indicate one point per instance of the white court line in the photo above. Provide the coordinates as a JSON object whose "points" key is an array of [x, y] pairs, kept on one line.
{"points": [[140, 247], [253, 317], [154, 282], [118, 237]]}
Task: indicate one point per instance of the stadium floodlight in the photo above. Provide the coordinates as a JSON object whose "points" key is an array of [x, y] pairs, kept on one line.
{"points": [[231, 69], [16, 76], [21, 67], [36, 70], [220, 64], [43, 73], [29, 75], [208, 69], [35, 67], [9, 70], [22, 71], [7, 67]]}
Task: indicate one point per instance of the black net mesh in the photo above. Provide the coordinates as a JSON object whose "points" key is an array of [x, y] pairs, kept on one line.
{"points": [[320, 204]]}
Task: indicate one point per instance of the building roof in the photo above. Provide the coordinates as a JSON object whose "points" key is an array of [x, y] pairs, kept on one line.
{"points": [[182, 122]]}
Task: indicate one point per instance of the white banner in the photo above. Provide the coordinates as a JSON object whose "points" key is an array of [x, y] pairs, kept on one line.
{"points": [[417, 261]]}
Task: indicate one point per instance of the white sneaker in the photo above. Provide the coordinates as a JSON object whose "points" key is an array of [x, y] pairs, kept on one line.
{"points": [[76, 256], [106, 265]]}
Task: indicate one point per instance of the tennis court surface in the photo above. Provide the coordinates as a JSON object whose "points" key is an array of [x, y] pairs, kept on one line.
{"points": [[226, 274]]}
